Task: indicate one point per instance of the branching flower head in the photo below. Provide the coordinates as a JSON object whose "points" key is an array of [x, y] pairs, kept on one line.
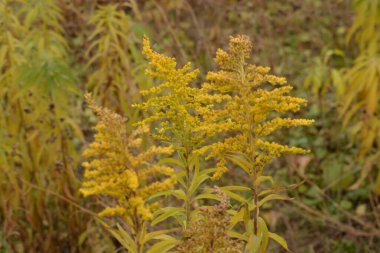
{"points": [[118, 169], [173, 103], [246, 106]]}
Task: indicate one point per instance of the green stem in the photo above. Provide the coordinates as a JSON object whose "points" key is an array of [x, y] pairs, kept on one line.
{"points": [[251, 142], [188, 197], [256, 210], [137, 231]]}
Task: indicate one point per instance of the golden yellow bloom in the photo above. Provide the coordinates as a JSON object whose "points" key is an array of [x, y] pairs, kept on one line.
{"points": [[112, 211], [119, 169], [243, 106], [173, 103]]}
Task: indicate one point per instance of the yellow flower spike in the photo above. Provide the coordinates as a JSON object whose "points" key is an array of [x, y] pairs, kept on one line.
{"points": [[240, 46], [112, 211], [248, 109], [117, 167], [173, 103]]}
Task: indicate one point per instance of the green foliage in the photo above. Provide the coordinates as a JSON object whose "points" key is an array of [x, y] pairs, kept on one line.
{"points": [[354, 77], [38, 134], [111, 50], [358, 86]]}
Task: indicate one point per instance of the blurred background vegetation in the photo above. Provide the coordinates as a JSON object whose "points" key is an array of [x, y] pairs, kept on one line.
{"points": [[52, 51]]}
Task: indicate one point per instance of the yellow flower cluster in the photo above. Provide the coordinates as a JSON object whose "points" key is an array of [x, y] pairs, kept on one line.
{"points": [[119, 169], [173, 103], [245, 105]]}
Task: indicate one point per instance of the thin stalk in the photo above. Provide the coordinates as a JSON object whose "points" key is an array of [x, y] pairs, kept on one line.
{"points": [[137, 231], [137, 236], [254, 189], [256, 210], [31, 176], [241, 72], [188, 183]]}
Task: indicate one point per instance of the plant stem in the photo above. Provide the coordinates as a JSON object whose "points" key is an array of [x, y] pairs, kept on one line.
{"points": [[255, 202], [251, 144], [137, 233], [188, 200]]}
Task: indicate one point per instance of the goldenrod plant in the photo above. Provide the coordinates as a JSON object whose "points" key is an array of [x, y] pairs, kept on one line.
{"points": [[126, 175], [248, 104], [247, 109], [231, 118], [172, 108]]}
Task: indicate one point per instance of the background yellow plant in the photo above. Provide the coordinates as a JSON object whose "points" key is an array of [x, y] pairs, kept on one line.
{"points": [[111, 50], [356, 85], [37, 152]]}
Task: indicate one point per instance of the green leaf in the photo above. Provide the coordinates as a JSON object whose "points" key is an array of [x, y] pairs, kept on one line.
{"points": [[279, 240], [179, 194], [180, 178], [247, 218], [280, 188], [154, 235], [194, 163], [237, 217], [253, 244], [122, 236], [273, 197], [141, 235], [127, 237], [262, 179], [235, 196], [240, 161], [196, 182], [236, 188], [171, 161], [198, 179], [82, 237], [167, 213], [249, 225], [263, 231], [207, 171], [164, 246], [237, 235], [181, 221]]}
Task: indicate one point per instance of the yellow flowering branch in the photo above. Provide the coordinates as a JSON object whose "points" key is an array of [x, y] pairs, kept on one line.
{"points": [[172, 108], [246, 106], [127, 176]]}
